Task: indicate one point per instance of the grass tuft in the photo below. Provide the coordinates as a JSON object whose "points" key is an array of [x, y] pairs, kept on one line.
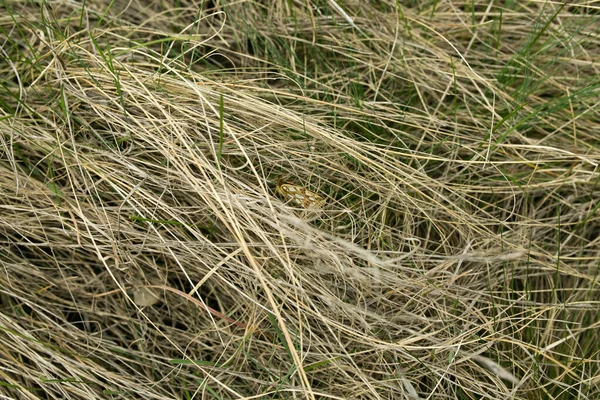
{"points": [[145, 253]]}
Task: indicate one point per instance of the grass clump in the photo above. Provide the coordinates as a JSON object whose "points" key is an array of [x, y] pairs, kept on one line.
{"points": [[145, 252]]}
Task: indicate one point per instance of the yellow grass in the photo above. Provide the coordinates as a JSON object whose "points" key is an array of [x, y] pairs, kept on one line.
{"points": [[145, 252]]}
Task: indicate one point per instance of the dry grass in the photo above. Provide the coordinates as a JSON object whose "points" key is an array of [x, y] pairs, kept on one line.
{"points": [[456, 143]]}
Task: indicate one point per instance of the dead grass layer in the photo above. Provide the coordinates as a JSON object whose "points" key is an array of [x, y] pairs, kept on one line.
{"points": [[145, 253]]}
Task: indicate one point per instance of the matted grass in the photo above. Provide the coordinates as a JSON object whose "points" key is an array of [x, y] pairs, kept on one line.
{"points": [[146, 254]]}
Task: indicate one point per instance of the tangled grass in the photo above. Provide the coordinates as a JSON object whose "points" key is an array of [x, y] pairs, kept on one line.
{"points": [[146, 254]]}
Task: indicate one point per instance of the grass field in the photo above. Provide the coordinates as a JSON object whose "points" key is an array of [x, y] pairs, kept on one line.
{"points": [[309, 199]]}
